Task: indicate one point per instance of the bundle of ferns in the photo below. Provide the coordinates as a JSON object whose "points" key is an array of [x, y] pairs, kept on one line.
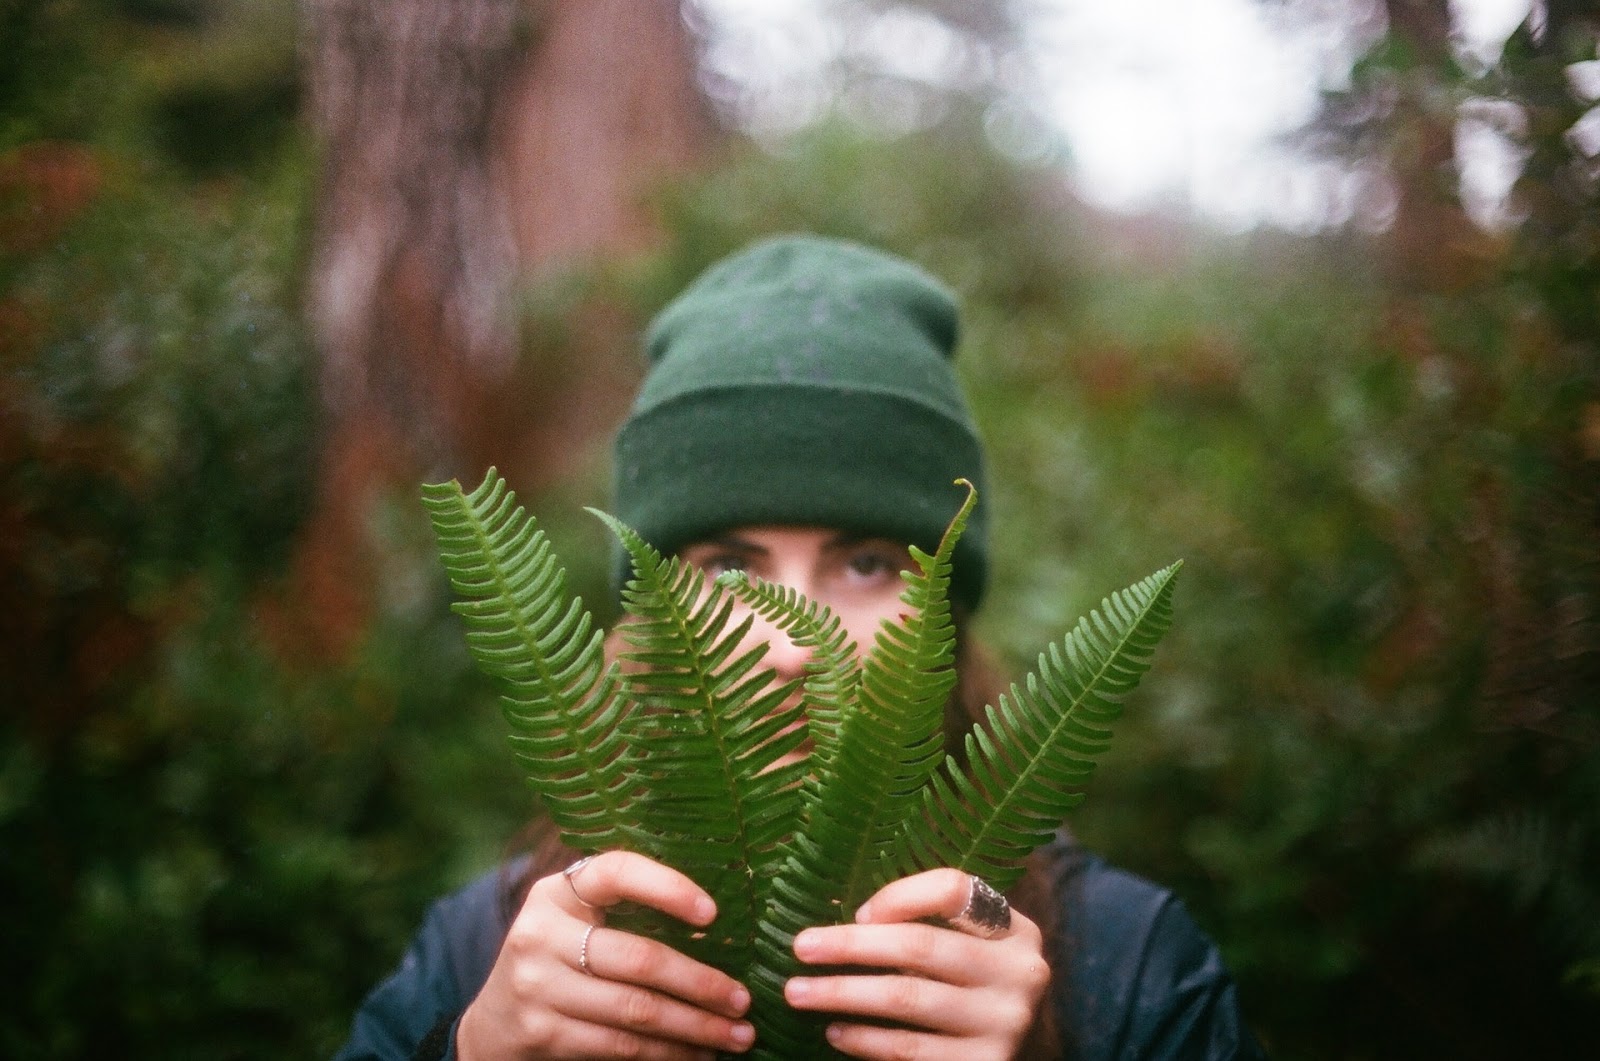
{"points": [[683, 749]]}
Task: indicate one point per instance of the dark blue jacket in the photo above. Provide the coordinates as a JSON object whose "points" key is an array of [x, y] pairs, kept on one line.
{"points": [[1143, 981]]}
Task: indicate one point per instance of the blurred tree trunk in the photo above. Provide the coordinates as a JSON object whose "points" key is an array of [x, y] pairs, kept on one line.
{"points": [[466, 144], [1432, 240], [606, 103], [412, 254]]}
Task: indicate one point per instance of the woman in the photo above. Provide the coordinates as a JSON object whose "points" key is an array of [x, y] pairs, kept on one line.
{"points": [[801, 420]]}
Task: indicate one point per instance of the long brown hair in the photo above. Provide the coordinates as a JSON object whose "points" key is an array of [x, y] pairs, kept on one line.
{"points": [[979, 682]]}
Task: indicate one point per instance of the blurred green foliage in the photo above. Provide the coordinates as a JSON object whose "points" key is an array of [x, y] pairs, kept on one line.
{"points": [[1366, 758], [212, 841]]}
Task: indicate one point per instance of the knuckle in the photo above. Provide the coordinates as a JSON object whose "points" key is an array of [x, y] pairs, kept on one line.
{"points": [[904, 1046], [539, 1028], [538, 911], [623, 1044], [541, 891], [922, 947], [522, 947], [906, 995], [1017, 1015], [640, 1009], [519, 941], [1039, 977], [634, 958], [530, 979]]}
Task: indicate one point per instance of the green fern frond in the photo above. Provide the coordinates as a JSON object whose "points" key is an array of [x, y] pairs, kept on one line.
{"points": [[708, 729], [540, 646], [1040, 742], [833, 672], [679, 754], [887, 746], [832, 681], [894, 731]]}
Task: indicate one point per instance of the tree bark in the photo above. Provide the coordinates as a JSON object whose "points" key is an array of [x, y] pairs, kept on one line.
{"points": [[1432, 241], [605, 105], [412, 254], [468, 144]]}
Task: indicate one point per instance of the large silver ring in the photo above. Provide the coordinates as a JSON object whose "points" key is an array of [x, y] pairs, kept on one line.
{"points": [[569, 872], [986, 915], [583, 950]]}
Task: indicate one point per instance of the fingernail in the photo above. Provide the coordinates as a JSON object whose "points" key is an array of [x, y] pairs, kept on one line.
{"points": [[805, 944], [797, 990], [863, 913], [739, 999], [741, 1036], [834, 1034], [704, 910]]}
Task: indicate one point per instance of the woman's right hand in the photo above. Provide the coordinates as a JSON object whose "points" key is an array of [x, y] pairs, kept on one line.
{"points": [[638, 998]]}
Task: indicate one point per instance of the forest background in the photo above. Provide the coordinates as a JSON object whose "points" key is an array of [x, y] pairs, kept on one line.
{"points": [[266, 265]]}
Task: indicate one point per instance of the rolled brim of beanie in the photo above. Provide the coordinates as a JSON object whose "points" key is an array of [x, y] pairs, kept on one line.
{"points": [[858, 461]]}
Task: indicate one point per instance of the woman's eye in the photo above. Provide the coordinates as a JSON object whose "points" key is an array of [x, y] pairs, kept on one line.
{"points": [[875, 563], [718, 563]]}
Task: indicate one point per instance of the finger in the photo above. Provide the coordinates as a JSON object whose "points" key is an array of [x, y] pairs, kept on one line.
{"points": [[934, 893], [941, 894], [895, 1044], [580, 1038], [650, 1014], [614, 876], [622, 957], [927, 950], [912, 1000]]}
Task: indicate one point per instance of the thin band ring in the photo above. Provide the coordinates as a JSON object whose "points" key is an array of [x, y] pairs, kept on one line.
{"points": [[572, 871], [583, 950], [987, 915]]}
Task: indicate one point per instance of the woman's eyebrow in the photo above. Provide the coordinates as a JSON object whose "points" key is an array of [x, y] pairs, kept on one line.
{"points": [[847, 539], [729, 541]]}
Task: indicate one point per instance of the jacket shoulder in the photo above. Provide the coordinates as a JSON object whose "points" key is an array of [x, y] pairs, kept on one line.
{"points": [[441, 971], [1143, 980]]}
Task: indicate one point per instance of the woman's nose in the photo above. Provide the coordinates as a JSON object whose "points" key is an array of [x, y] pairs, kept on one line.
{"points": [[787, 659]]}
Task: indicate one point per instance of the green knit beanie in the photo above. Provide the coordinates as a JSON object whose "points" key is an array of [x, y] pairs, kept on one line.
{"points": [[804, 382]]}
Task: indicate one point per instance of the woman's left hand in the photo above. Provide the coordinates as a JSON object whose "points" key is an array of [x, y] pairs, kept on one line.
{"points": [[958, 996]]}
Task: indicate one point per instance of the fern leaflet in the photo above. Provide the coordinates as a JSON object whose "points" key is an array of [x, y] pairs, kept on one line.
{"points": [[560, 698], [1040, 742]]}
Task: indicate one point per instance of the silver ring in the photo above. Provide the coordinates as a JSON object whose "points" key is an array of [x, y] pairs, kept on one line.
{"points": [[569, 872], [986, 915], [583, 950]]}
